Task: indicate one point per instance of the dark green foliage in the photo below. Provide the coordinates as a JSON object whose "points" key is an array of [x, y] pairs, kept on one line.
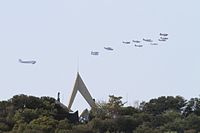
{"points": [[146, 129], [126, 124], [44, 124], [29, 114], [177, 125], [193, 122], [128, 111], [23, 101], [82, 129], [26, 115], [157, 106]]}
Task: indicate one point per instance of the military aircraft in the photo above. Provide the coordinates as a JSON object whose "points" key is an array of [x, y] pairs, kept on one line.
{"points": [[163, 34], [147, 40], [126, 42], [164, 38], [154, 43], [136, 41], [108, 48], [94, 53], [138, 45], [28, 62]]}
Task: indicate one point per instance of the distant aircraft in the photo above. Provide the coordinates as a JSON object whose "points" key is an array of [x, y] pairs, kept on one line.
{"points": [[163, 34], [126, 42], [108, 48], [154, 43], [28, 62], [94, 53], [164, 38], [138, 45], [136, 41], [147, 40]]}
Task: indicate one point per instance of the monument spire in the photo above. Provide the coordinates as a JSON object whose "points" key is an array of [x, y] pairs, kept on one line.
{"points": [[81, 87]]}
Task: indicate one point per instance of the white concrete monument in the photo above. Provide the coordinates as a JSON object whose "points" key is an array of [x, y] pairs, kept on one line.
{"points": [[81, 87]]}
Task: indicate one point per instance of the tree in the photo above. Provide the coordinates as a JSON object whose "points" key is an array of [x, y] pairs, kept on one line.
{"points": [[161, 104], [126, 124], [25, 115], [146, 129], [192, 106], [114, 105], [177, 125], [44, 123], [129, 111], [192, 122], [82, 129], [63, 125], [99, 125], [110, 109]]}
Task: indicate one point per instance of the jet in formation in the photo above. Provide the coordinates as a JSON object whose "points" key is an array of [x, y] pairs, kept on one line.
{"points": [[164, 38], [163, 34], [147, 40], [126, 42], [138, 45], [94, 53], [27, 62], [154, 43], [108, 48], [136, 41]]}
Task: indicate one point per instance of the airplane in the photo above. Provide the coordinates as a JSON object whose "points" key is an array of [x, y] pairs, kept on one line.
{"points": [[163, 34], [94, 53], [28, 62], [138, 45], [164, 38], [136, 41], [147, 40], [108, 48], [126, 42], [154, 43]]}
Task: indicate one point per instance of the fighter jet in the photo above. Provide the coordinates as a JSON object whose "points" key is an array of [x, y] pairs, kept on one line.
{"points": [[108, 48], [154, 43], [27, 62], [94, 53], [163, 34], [147, 40], [164, 38], [138, 45], [126, 42], [136, 41]]}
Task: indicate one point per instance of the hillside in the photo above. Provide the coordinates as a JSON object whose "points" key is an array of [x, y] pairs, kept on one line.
{"points": [[29, 114]]}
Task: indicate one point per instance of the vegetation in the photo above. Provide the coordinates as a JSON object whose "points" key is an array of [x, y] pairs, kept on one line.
{"points": [[29, 114]]}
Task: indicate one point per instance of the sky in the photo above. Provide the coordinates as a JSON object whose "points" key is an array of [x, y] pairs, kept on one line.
{"points": [[60, 35]]}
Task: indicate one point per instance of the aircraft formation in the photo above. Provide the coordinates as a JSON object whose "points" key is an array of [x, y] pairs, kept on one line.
{"points": [[163, 37]]}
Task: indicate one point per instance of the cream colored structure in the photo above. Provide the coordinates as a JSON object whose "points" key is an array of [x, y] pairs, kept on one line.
{"points": [[81, 87]]}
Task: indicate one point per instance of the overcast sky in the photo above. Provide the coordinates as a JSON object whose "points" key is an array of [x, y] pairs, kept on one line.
{"points": [[60, 33]]}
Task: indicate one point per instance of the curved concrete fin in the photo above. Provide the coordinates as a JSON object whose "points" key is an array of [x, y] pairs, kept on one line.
{"points": [[81, 87]]}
